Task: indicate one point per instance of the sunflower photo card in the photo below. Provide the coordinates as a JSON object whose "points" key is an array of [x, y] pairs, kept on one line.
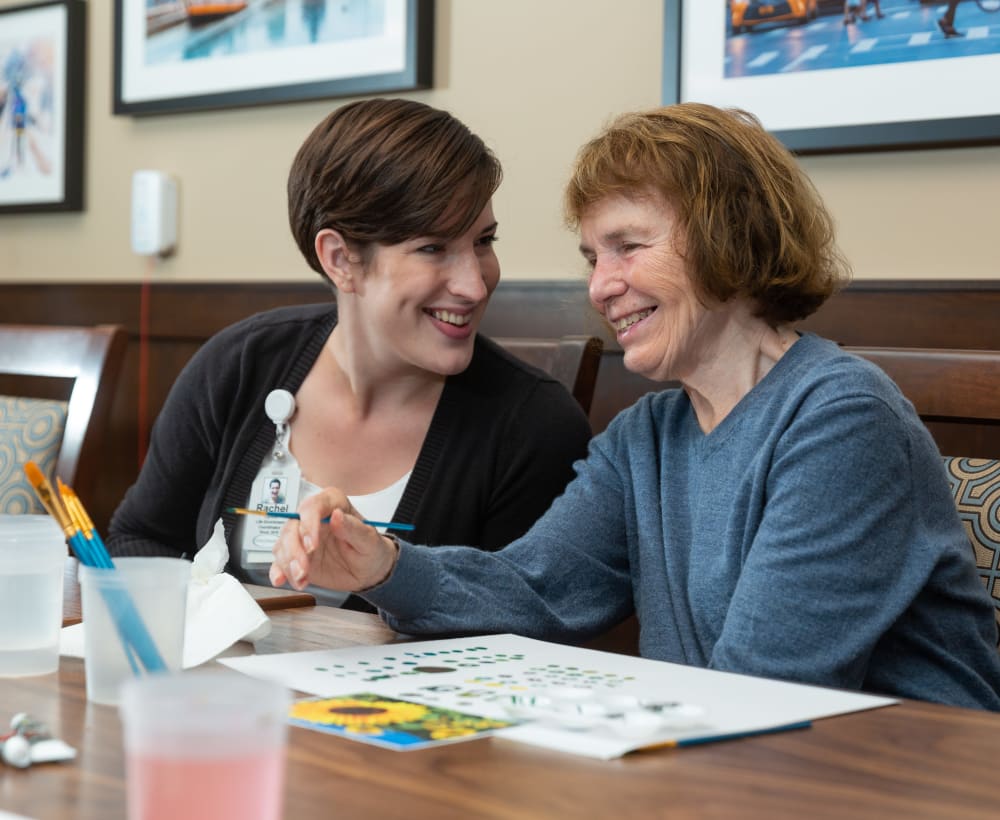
{"points": [[390, 722]]}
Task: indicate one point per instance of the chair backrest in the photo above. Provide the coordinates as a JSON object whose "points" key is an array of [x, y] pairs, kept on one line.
{"points": [[571, 360], [957, 386], [960, 387], [78, 365]]}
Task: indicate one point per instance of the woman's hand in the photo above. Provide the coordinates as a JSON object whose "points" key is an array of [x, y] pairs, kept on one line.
{"points": [[342, 554]]}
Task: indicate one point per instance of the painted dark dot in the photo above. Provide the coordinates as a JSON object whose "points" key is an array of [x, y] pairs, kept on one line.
{"points": [[433, 670]]}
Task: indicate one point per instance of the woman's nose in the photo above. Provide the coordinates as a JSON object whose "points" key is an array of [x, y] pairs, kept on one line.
{"points": [[605, 283], [468, 279]]}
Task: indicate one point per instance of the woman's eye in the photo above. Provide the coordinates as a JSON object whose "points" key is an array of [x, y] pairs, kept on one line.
{"points": [[430, 249], [487, 240]]}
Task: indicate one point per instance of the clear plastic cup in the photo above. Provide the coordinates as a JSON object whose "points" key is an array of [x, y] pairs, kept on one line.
{"points": [[205, 745], [131, 614], [32, 563]]}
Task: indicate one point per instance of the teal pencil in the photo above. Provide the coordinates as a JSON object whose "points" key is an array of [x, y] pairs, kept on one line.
{"points": [[389, 525]]}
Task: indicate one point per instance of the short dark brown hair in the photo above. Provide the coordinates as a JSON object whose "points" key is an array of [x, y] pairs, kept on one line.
{"points": [[754, 224], [386, 170]]}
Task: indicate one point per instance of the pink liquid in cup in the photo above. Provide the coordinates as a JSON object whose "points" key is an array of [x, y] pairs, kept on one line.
{"points": [[204, 746], [249, 787]]}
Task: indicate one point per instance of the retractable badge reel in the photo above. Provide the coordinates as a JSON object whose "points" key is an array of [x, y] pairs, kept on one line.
{"points": [[280, 407]]}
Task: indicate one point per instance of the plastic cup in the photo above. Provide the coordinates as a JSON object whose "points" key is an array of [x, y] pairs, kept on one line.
{"points": [[131, 613], [32, 562], [205, 744]]}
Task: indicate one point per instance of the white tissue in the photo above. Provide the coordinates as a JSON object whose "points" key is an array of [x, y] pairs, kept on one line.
{"points": [[212, 557], [220, 611]]}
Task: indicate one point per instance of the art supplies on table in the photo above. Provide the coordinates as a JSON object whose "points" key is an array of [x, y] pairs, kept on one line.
{"points": [[581, 701], [219, 610], [87, 545]]}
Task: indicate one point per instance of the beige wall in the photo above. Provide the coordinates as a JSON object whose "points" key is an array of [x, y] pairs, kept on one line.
{"points": [[535, 80]]}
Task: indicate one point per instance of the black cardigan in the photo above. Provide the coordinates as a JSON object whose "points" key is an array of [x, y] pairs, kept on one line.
{"points": [[499, 449]]}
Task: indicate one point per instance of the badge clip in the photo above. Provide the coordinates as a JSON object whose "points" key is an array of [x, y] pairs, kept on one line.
{"points": [[280, 407]]}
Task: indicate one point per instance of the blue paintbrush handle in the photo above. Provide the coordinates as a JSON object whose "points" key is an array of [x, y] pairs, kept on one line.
{"points": [[389, 525], [137, 643]]}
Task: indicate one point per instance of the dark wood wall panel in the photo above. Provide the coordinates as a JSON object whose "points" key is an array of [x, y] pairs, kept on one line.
{"points": [[900, 314]]}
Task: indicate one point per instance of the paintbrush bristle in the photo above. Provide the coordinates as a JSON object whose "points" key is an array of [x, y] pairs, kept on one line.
{"points": [[48, 497], [35, 475]]}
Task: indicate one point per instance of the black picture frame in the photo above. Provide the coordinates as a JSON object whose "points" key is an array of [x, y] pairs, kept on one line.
{"points": [[920, 126], [42, 86], [142, 89]]}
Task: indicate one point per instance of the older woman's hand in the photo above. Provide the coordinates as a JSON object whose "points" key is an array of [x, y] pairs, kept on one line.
{"points": [[342, 553]]}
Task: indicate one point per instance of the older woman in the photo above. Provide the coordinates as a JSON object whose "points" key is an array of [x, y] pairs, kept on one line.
{"points": [[391, 395], [783, 514]]}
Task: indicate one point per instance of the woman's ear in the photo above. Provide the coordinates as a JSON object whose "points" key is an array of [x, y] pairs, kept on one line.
{"points": [[338, 262]]}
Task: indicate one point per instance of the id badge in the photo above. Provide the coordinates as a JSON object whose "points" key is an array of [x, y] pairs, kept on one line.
{"points": [[275, 489]]}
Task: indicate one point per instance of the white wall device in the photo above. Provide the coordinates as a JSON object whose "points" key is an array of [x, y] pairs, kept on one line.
{"points": [[154, 213]]}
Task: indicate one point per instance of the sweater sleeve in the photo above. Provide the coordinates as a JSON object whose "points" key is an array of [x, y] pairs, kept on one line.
{"points": [[841, 551], [158, 514], [567, 579]]}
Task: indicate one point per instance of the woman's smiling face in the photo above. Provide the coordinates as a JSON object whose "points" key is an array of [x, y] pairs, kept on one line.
{"points": [[422, 299], [639, 282]]}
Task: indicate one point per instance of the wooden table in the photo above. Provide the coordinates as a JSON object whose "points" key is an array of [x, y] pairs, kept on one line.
{"points": [[914, 760]]}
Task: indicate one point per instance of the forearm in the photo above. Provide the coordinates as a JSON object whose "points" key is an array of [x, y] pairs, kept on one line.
{"points": [[566, 579]]}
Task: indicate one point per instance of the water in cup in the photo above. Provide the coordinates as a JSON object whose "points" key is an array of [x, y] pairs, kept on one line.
{"points": [[141, 598], [32, 562]]}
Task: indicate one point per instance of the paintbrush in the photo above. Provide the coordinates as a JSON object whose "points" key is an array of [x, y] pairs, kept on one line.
{"points": [[43, 489], [73, 519], [389, 525]]}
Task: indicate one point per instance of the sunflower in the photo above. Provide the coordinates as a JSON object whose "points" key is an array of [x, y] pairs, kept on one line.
{"points": [[357, 713]]}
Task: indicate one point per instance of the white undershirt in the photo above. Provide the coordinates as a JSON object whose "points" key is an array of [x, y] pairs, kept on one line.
{"points": [[377, 506]]}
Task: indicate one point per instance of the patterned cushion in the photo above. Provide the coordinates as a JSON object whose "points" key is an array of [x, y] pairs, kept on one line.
{"points": [[30, 430], [975, 483]]}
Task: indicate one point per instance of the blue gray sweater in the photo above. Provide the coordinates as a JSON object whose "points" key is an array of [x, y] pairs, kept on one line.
{"points": [[811, 537]]}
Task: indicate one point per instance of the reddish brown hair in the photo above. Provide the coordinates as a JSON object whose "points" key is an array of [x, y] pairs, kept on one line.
{"points": [[754, 223]]}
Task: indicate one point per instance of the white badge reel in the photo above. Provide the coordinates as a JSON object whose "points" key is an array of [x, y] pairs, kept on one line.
{"points": [[276, 487], [280, 407]]}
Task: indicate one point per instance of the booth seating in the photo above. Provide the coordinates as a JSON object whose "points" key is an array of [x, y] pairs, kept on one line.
{"points": [[952, 390], [57, 383]]}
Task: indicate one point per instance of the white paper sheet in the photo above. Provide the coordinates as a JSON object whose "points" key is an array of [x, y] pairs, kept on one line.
{"points": [[496, 676]]}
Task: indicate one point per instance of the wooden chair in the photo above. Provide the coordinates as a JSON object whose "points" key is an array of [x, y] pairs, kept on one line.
{"points": [[572, 360], [77, 366], [957, 393], [955, 386]]}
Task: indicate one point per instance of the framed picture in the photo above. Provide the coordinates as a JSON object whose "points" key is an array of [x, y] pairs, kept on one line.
{"points": [[896, 74], [41, 106], [190, 55]]}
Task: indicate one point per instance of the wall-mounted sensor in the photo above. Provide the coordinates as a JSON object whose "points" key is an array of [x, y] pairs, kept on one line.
{"points": [[154, 213]]}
